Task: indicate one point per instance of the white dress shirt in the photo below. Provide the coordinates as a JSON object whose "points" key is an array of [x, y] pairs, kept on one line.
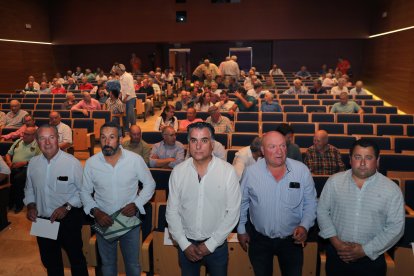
{"points": [[117, 186], [65, 133], [52, 184], [127, 86], [243, 159], [207, 209]]}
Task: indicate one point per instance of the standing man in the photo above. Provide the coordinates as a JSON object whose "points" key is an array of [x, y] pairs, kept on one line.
{"points": [[203, 205], [280, 196], [127, 94], [362, 214], [52, 191], [136, 144], [113, 176]]}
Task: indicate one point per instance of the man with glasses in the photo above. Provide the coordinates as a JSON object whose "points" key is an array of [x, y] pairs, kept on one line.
{"points": [[362, 214], [203, 205], [17, 158], [169, 152]]}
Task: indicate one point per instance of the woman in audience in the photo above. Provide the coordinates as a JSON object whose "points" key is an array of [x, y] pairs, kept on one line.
{"points": [[114, 105], [204, 102], [167, 118], [101, 95]]}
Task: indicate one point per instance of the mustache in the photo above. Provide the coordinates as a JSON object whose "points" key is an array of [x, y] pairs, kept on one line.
{"points": [[108, 147]]}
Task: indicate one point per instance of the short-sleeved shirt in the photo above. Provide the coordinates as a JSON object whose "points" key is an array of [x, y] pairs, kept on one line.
{"points": [[15, 120], [350, 107], [250, 99], [23, 152]]}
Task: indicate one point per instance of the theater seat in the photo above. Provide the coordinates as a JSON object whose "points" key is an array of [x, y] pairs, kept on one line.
{"points": [[332, 128], [404, 143]]}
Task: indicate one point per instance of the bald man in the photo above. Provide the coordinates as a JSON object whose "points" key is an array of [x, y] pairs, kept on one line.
{"points": [[15, 118], [323, 158], [64, 131], [136, 144], [282, 209]]}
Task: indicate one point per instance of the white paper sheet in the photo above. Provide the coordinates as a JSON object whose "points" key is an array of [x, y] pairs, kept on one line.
{"points": [[167, 237], [45, 229]]}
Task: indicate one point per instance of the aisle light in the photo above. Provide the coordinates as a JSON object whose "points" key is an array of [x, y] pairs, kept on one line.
{"points": [[25, 41], [391, 32]]}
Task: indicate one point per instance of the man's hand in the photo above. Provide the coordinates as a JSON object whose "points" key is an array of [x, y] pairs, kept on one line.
{"points": [[300, 234], [193, 253], [155, 156], [237, 94], [102, 218], [17, 165], [203, 249], [85, 112], [351, 253], [129, 210], [31, 212], [59, 213], [244, 240]]}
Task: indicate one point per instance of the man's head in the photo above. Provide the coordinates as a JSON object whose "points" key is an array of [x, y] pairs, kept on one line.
{"points": [[120, 69], [257, 86], [54, 118], [303, 68], [269, 97], [200, 140], [297, 83], [114, 94], [320, 140], [364, 158], [71, 81], [317, 84], [29, 135], [274, 67], [110, 138], [206, 62], [287, 131], [341, 82], [43, 85], [47, 137], [242, 91], [359, 85], [78, 69], [233, 58], [31, 79], [274, 149], [86, 97], [28, 121], [191, 114], [256, 148], [214, 113], [343, 98], [224, 96], [169, 136], [70, 96], [84, 80], [135, 134], [14, 106]]}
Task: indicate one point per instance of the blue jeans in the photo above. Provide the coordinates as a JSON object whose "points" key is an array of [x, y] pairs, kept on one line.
{"points": [[216, 262], [130, 117], [130, 251]]}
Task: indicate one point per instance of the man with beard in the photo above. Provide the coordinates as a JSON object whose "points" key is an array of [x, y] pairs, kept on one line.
{"points": [[113, 176]]}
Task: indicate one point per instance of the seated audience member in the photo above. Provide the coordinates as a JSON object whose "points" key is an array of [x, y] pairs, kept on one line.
{"points": [[346, 106], [17, 158], [70, 101], [358, 89], [348, 82], [29, 89], [86, 105], [166, 118], [149, 90], [214, 89], [208, 80], [185, 102], [2, 119], [78, 75], [257, 92], [337, 90], [270, 84], [268, 105], [68, 75], [303, 74], [219, 80], [89, 75], [244, 102], [101, 95], [221, 124], [59, 78], [168, 153], [72, 84], [293, 150], [275, 71], [15, 118], [85, 85], [64, 131], [323, 158], [297, 88], [157, 89], [115, 106], [328, 82], [324, 70], [101, 76], [191, 118], [28, 122], [204, 102], [233, 85], [224, 104], [44, 89], [136, 144], [58, 89], [247, 156], [32, 81], [317, 88]]}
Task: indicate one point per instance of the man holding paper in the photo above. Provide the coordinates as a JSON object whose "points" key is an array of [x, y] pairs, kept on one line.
{"points": [[52, 192], [113, 176]]}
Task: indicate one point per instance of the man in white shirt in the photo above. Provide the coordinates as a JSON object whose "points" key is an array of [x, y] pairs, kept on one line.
{"points": [[358, 89], [247, 156], [201, 218], [36, 85], [340, 88], [65, 132], [230, 68], [128, 95], [52, 192], [113, 176]]}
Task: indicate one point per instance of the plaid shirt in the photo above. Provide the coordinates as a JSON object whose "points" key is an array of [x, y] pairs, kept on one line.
{"points": [[328, 162]]}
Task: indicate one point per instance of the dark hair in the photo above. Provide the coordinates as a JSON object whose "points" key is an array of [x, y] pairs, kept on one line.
{"points": [[242, 90], [164, 112], [224, 93], [111, 125], [365, 143], [97, 92], [202, 98], [285, 129], [201, 125], [46, 126], [115, 92], [256, 144], [257, 85]]}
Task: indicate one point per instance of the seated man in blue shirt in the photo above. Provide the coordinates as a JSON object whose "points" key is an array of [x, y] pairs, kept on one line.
{"points": [[244, 102], [303, 74], [268, 105], [169, 152], [280, 197]]}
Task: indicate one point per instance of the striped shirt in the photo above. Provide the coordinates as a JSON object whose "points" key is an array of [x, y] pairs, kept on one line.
{"points": [[115, 107], [275, 208], [223, 125], [328, 162], [372, 216]]}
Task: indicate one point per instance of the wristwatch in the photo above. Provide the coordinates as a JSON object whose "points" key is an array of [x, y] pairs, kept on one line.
{"points": [[67, 206]]}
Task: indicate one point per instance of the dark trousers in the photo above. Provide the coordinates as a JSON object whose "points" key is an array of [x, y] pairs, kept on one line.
{"points": [[215, 262], [262, 250], [362, 267], [70, 239], [18, 182]]}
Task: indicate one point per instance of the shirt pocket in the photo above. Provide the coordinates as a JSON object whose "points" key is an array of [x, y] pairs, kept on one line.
{"points": [[61, 186], [293, 197]]}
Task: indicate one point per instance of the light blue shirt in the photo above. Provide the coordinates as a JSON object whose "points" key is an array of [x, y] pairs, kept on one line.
{"points": [[166, 151], [116, 186], [52, 184], [275, 209], [270, 107], [372, 216]]}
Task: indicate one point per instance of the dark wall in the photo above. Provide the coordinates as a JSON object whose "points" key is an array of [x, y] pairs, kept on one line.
{"points": [[132, 21]]}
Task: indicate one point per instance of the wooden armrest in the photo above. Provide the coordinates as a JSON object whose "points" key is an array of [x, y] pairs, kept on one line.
{"points": [[390, 263], [145, 253], [409, 210]]}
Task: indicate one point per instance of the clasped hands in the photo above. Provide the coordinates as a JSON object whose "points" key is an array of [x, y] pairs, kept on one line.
{"points": [[196, 252], [348, 251], [104, 220]]}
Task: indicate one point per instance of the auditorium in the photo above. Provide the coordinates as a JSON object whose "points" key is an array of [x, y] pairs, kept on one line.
{"points": [[206, 137]]}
